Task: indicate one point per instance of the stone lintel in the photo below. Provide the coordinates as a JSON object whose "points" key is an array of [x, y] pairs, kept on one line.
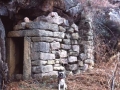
{"points": [[30, 33]]}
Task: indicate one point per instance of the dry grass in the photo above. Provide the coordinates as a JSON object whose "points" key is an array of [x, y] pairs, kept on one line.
{"points": [[97, 79]]}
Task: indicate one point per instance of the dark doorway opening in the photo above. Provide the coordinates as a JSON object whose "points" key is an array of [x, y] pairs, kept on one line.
{"points": [[19, 52]]}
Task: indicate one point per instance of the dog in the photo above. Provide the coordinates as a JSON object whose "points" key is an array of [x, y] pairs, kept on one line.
{"points": [[61, 80]]}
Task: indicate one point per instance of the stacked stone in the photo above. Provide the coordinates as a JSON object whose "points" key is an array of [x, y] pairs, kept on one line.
{"points": [[87, 53], [56, 46]]}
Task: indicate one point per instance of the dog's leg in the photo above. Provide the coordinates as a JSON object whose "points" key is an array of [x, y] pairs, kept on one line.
{"points": [[66, 86], [63, 87], [58, 86]]}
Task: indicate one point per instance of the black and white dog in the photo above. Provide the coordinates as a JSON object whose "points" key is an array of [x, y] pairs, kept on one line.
{"points": [[61, 80]]}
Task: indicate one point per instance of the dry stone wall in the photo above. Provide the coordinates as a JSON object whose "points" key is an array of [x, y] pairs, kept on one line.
{"points": [[51, 53], [55, 46]]}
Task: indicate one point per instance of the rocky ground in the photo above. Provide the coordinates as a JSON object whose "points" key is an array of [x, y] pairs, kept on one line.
{"points": [[100, 78]]}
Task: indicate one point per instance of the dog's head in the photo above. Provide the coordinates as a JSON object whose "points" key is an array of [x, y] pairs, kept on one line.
{"points": [[61, 75]]}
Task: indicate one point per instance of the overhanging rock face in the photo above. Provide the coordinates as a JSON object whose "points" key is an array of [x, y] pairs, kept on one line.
{"points": [[50, 47]]}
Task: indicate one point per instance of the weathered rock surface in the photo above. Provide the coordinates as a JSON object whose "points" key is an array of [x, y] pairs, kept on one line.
{"points": [[55, 45], [41, 46], [72, 59], [47, 56], [42, 25]]}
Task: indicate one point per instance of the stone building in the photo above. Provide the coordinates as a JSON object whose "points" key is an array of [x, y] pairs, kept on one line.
{"points": [[47, 45]]}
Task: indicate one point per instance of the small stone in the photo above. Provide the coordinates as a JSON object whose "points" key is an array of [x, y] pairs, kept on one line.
{"points": [[57, 61], [53, 17], [57, 39], [55, 45], [81, 63], [43, 62], [35, 63], [62, 53], [73, 53], [71, 30], [83, 56], [76, 48], [74, 42], [26, 19], [90, 67], [73, 67], [51, 62], [35, 55], [59, 68], [66, 41], [69, 73], [20, 26], [90, 56], [63, 61], [90, 38], [61, 29], [47, 68], [57, 65], [75, 27], [90, 62], [36, 69], [66, 47], [68, 36], [90, 33], [76, 71], [72, 59], [57, 55], [47, 56], [59, 34], [85, 67], [75, 36]]}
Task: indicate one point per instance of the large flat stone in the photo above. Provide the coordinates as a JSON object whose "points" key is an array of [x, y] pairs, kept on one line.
{"points": [[65, 46], [41, 46], [42, 39], [42, 69], [45, 39], [42, 25], [52, 73], [73, 53], [58, 68], [47, 68], [30, 33], [38, 62], [47, 56], [59, 34]]}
